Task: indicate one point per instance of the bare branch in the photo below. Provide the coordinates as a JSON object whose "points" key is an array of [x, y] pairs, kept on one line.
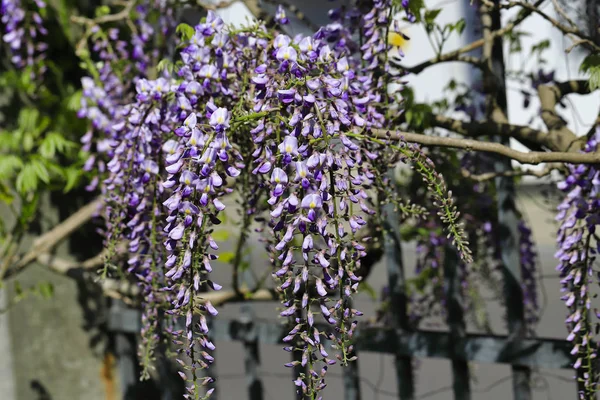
{"points": [[50, 239], [530, 137], [567, 30], [525, 172], [562, 13], [475, 61], [121, 15], [63, 266], [577, 42], [534, 157], [559, 137]]}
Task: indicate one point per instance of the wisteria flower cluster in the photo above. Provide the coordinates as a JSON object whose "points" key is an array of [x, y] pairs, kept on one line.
{"points": [[23, 32], [294, 116], [579, 215]]}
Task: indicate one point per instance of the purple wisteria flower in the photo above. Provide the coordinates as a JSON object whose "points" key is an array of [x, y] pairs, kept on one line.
{"points": [[23, 29], [280, 16], [280, 120], [220, 119], [579, 215]]}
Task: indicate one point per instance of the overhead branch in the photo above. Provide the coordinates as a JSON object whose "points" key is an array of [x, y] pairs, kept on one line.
{"points": [[532, 138], [456, 54], [570, 29], [474, 61], [128, 291], [559, 136], [512, 173], [534, 157], [53, 237]]}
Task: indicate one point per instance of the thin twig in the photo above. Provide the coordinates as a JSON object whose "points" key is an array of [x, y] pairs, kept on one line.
{"points": [[534, 157], [454, 55], [525, 172], [474, 61], [572, 30], [562, 13]]}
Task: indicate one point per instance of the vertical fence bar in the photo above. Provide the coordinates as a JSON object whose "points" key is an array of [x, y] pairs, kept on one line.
{"points": [[352, 382], [513, 294], [461, 382], [125, 352], [251, 353], [122, 322], [398, 300], [508, 217]]}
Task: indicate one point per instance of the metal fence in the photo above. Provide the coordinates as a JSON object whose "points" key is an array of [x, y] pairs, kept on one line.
{"points": [[521, 353]]}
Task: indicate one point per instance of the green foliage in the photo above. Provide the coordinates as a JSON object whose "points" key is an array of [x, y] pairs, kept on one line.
{"points": [[416, 114], [220, 235], [31, 153], [43, 290], [513, 38], [538, 49], [591, 65], [185, 31]]}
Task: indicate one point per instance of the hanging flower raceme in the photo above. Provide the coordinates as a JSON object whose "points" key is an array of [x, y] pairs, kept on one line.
{"points": [[529, 259], [23, 29], [579, 214], [247, 105]]}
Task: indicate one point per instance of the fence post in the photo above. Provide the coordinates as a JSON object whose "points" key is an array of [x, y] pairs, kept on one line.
{"points": [[508, 217], [251, 353], [122, 322], [398, 300], [461, 383]]}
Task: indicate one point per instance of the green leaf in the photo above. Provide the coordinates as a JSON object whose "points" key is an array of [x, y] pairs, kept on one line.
{"points": [[28, 119], [28, 210], [165, 65], [72, 176], [459, 26], [541, 46], [47, 148], [220, 235], [40, 170], [28, 141], [27, 179], [45, 289], [185, 31], [415, 7], [9, 163], [591, 65], [18, 289], [102, 11], [54, 142], [227, 256], [5, 196], [74, 101], [42, 126], [431, 15]]}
